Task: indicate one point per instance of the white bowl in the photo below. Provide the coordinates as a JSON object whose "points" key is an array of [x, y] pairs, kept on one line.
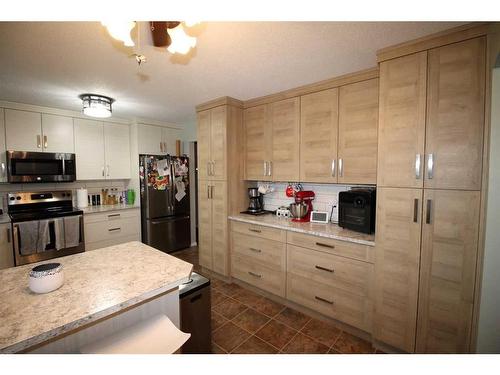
{"points": [[46, 278]]}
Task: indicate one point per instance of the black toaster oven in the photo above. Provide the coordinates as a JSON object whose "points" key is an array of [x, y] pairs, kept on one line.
{"points": [[357, 210]]}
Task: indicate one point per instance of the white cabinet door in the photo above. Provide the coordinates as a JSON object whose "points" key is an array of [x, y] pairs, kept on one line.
{"points": [[149, 139], [3, 157], [89, 149], [6, 250], [57, 133], [170, 137], [23, 130], [117, 150]]}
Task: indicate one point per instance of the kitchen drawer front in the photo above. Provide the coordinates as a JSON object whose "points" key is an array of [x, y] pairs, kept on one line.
{"points": [[330, 301], [328, 245], [111, 215], [350, 275], [268, 252], [111, 242], [259, 231], [259, 275], [125, 227]]}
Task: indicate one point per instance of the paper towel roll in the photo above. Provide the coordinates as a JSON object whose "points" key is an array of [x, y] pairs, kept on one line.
{"points": [[81, 198]]}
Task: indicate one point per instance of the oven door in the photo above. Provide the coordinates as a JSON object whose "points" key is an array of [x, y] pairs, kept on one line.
{"points": [[40, 167], [38, 240]]}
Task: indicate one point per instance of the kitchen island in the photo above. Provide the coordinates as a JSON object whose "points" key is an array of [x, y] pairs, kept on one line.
{"points": [[105, 290]]}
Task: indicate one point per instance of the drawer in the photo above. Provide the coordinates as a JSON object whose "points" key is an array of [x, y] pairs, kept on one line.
{"points": [[328, 245], [99, 231], [111, 215], [259, 231], [330, 301], [268, 252], [259, 275], [343, 273]]}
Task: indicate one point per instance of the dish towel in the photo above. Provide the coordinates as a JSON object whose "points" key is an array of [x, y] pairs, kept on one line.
{"points": [[28, 237], [72, 231], [43, 236], [59, 233]]}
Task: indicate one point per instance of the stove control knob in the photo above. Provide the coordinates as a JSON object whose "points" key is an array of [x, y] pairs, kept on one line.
{"points": [[12, 198], [18, 197]]}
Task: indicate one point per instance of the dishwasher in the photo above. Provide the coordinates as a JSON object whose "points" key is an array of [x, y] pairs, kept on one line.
{"points": [[195, 312]]}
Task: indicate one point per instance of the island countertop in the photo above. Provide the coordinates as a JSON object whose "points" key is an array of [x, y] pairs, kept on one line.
{"points": [[97, 283]]}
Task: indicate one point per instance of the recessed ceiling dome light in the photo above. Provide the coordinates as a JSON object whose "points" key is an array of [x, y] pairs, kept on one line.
{"points": [[96, 105]]}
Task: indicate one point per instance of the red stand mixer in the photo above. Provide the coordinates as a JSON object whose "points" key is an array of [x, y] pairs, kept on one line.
{"points": [[302, 208]]}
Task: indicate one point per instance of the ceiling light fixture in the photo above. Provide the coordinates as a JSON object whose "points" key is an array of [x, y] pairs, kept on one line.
{"points": [[181, 42], [96, 105], [121, 30]]}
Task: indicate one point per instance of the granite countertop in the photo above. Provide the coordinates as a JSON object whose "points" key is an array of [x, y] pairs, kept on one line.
{"points": [[4, 218], [97, 284], [316, 229], [107, 207]]}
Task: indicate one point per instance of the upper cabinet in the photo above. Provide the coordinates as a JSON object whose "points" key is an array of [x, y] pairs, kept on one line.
{"points": [[117, 150], [3, 156], [156, 140], [432, 118], [32, 131], [257, 135]]}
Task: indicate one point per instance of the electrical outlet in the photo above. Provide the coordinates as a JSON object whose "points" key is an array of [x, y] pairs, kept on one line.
{"points": [[335, 212]]}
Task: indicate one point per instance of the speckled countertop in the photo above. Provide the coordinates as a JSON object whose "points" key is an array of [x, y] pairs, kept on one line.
{"points": [[107, 207], [316, 229], [97, 284]]}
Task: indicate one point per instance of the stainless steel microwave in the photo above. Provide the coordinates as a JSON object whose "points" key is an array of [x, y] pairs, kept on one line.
{"points": [[23, 166]]}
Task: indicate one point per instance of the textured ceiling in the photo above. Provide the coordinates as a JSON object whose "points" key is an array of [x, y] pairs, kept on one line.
{"points": [[51, 63]]}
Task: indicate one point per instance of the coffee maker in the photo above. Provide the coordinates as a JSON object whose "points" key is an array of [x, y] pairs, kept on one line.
{"points": [[304, 197], [256, 205]]}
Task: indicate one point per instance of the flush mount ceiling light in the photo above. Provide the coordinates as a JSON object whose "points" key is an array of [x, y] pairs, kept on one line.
{"points": [[96, 105]]}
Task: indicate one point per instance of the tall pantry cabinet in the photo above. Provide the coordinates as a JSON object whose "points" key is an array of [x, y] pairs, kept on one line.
{"points": [[221, 189], [431, 128]]}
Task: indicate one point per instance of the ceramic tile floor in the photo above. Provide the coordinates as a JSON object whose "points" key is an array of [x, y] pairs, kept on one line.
{"points": [[244, 322]]}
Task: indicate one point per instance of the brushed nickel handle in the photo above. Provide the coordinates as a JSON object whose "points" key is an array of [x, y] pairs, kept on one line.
{"points": [[333, 167], [324, 269], [255, 250], [324, 300], [103, 171], [254, 230], [165, 147], [212, 192], [325, 245], [208, 191], [430, 166], [8, 235], [45, 142], [3, 169], [265, 168], [38, 141], [254, 274], [270, 168], [161, 146], [213, 168], [417, 166], [114, 215], [428, 213], [208, 168], [107, 173], [415, 210], [113, 229], [341, 167]]}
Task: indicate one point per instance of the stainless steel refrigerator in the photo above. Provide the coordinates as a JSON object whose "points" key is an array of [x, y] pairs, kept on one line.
{"points": [[165, 202]]}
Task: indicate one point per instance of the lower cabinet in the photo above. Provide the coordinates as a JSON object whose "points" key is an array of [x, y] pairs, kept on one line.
{"points": [[111, 228], [6, 250]]}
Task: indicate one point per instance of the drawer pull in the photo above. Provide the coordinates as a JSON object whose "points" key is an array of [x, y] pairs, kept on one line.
{"points": [[255, 250], [325, 245], [254, 230], [323, 300], [324, 269], [114, 229], [114, 215], [254, 274]]}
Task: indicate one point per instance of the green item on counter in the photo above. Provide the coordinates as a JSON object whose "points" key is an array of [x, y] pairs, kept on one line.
{"points": [[130, 196]]}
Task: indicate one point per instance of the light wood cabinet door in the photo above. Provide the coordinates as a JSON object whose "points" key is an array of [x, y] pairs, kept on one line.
{"points": [[220, 249], [358, 123], [397, 259], [58, 133], [23, 130], [117, 150], [447, 271], [218, 130], [402, 98], [149, 139], [203, 139], [257, 136], [89, 150], [204, 224], [318, 136], [6, 250], [3, 156], [455, 115], [285, 125]]}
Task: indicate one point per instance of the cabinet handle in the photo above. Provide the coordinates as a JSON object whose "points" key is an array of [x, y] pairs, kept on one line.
{"points": [[212, 192], [430, 166], [255, 250], [208, 191], [415, 210], [324, 300], [254, 274], [103, 171], [38, 141], [113, 229], [164, 146], [341, 167], [161, 146], [254, 230], [333, 167], [265, 168], [270, 168], [417, 166], [45, 142], [213, 168], [428, 213], [3, 169], [324, 269], [114, 215], [325, 245], [8, 235], [208, 168], [107, 171]]}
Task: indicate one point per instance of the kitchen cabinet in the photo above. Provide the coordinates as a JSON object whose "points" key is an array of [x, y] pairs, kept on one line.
{"points": [[318, 136], [6, 250], [3, 156], [203, 141], [204, 224], [38, 132], [257, 142], [447, 271], [212, 146], [170, 137], [357, 139], [117, 150], [156, 140]]}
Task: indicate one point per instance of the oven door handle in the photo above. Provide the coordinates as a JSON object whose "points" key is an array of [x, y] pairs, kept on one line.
{"points": [[15, 240]]}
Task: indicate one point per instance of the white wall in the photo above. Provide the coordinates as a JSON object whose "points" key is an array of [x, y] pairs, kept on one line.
{"points": [[488, 340]]}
